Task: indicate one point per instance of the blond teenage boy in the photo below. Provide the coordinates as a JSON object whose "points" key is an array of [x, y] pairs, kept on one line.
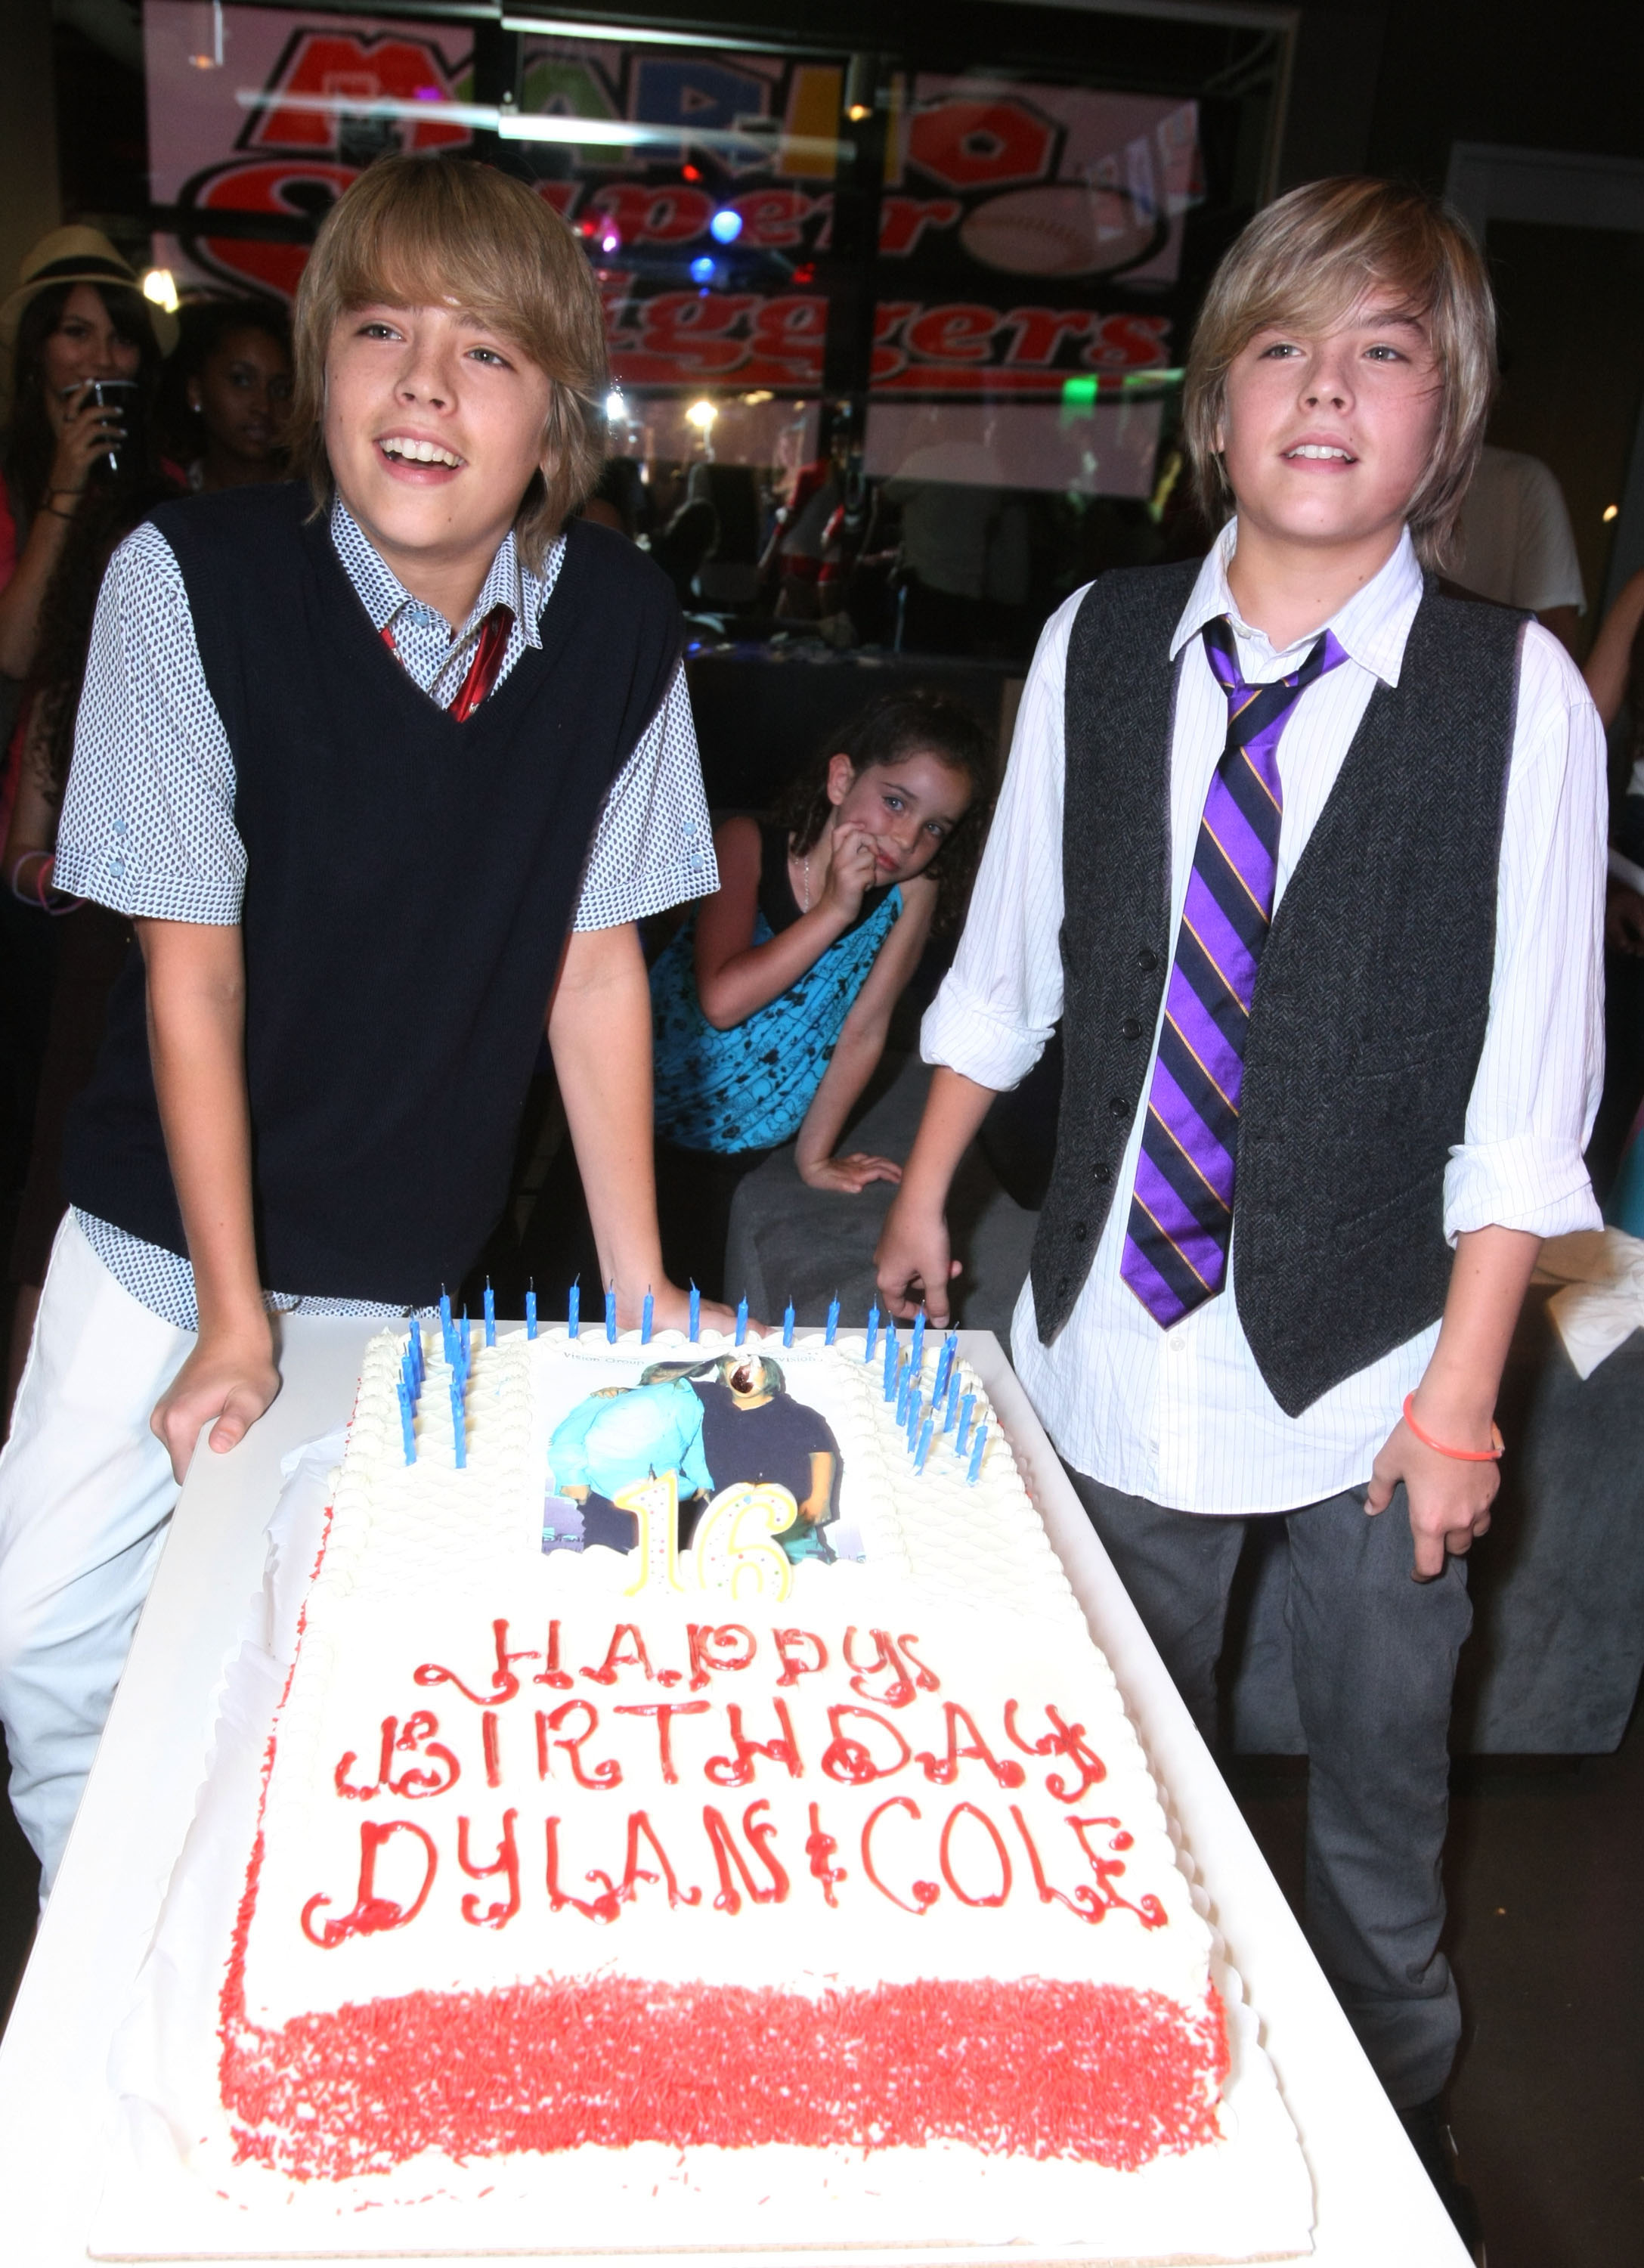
{"points": [[386, 767], [1307, 857]]}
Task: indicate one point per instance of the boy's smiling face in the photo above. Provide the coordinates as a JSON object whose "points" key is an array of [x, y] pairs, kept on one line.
{"points": [[1326, 435], [434, 422]]}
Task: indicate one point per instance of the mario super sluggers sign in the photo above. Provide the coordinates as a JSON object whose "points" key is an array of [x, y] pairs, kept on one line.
{"points": [[1005, 206]]}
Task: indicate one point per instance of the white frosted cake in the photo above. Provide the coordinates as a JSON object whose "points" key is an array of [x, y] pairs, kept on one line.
{"points": [[693, 1821]]}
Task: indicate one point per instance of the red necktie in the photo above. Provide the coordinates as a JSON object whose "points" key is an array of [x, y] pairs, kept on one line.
{"points": [[489, 647]]}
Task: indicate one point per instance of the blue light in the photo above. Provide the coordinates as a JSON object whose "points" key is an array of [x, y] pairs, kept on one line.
{"points": [[726, 225], [702, 270]]}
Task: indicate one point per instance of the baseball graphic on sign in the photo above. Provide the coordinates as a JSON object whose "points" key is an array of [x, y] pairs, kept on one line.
{"points": [[1062, 230]]}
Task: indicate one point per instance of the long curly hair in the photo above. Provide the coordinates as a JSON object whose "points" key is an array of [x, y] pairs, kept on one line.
{"points": [[29, 443], [107, 515], [892, 731]]}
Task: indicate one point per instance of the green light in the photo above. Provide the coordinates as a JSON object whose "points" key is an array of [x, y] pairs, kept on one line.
{"points": [[1079, 393]]}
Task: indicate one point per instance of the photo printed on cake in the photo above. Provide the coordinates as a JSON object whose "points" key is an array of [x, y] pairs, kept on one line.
{"points": [[725, 1423]]}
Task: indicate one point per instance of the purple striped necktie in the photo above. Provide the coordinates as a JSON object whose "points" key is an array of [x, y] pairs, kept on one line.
{"points": [[1181, 1209]]}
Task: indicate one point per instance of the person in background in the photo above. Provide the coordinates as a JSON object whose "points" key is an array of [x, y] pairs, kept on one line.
{"points": [[230, 384], [77, 316], [772, 1002], [91, 941], [1615, 678], [1516, 545], [618, 501], [1307, 856]]}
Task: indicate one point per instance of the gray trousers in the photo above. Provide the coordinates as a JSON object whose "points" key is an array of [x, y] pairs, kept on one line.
{"points": [[1374, 1661]]}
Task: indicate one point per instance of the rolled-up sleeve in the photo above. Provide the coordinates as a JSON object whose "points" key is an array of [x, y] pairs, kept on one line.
{"points": [[1000, 1002], [148, 815], [1541, 1069]]}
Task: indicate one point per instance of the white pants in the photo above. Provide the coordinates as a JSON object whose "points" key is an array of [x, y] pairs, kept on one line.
{"points": [[86, 1495]]}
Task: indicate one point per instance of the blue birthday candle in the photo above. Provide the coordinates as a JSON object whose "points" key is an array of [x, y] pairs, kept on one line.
{"points": [[742, 1320], [531, 1313], [951, 1413], [459, 1423], [645, 1315], [903, 1387], [919, 1343], [974, 1474], [965, 1408], [696, 1315], [873, 1333], [444, 1310], [915, 1416], [406, 1426], [890, 1360], [924, 1450], [945, 1361], [788, 1324], [490, 1314], [574, 1310], [831, 1332], [610, 1313]]}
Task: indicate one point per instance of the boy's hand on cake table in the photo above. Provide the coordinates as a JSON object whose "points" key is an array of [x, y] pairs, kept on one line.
{"points": [[913, 1264], [671, 1311], [848, 1176], [230, 1379]]}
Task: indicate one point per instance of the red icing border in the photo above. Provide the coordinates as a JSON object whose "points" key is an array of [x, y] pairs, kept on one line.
{"points": [[1040, 2069]]}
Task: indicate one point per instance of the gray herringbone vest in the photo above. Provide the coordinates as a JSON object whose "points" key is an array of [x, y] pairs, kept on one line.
{"points": [[1371, 1001]]}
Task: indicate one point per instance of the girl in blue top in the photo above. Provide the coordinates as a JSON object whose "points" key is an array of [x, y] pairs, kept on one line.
{"points": [[772, 1003]]}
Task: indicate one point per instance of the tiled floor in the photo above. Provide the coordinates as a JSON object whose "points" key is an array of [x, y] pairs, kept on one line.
{"points": [[1545, 1868]]}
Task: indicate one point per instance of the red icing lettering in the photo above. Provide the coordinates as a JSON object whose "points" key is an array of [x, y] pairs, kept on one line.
{"points": [[634, 1873], [1062, 1739], [1149, 1912], [705, 1637], [492, 1750], [737, 1770], [372, 1912], [606, 1907], [634, 1657], [788, 1643], [505, 1863], [504, 1684], [550, 1672], [819, 1849], [849, 1760], [664, 1712], [945, 1769], [606, 1773], [346, 1762], [925, 1893], [993, 1898], [416, 1739], [761, 1834], [907, 1672]]}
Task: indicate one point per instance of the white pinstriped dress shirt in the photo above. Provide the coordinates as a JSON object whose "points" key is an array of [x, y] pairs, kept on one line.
{"points": [[148, 817], [1183, 1417]]}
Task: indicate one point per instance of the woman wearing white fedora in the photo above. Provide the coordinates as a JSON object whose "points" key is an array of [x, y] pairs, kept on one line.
{"points": [[77, 316]]}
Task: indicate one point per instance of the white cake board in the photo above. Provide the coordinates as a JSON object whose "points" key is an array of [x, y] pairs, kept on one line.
{"points": [[1373, 2202]]}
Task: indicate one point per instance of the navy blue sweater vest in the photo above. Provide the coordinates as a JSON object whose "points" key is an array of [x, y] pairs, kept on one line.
{"points": [[410, 882]]}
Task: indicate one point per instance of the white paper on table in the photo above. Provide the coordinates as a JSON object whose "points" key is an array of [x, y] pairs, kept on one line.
{"points": [[1602, 1303]]}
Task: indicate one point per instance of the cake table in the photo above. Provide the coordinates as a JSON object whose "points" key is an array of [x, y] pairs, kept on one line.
{"points": [[1374, 2204]]}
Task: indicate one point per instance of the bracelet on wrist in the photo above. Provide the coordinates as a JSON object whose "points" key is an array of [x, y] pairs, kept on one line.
{"points": [[1497, 1446]]}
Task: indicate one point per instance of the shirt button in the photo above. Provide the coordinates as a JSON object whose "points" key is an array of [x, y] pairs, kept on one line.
{"points": [[1147, 960], [1102, 1173], [1119, 1107], [1080, 1231], [1130, 1029]]}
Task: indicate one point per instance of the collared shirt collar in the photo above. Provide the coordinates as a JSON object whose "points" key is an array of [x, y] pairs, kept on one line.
{"points": [[509, 582], [1371, 628]]}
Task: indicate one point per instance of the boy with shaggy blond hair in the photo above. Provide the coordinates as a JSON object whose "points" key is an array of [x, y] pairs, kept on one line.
{"points": [[1307, 857], [385, 768]]}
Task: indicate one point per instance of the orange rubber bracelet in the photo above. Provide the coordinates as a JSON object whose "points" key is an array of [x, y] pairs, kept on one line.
{"points": [[1465, 1456]]}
